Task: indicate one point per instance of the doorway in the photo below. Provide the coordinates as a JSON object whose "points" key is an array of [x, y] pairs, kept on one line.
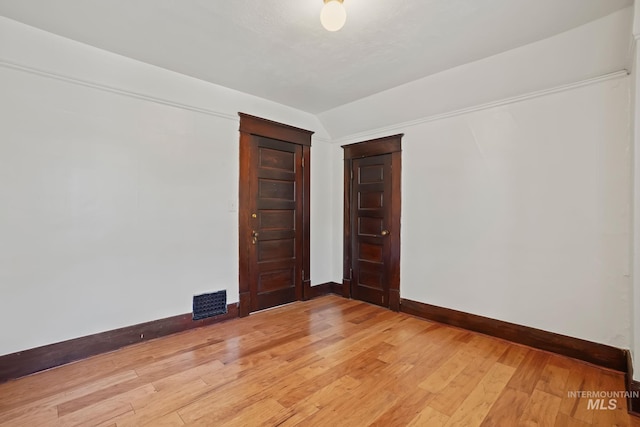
{"points": [[273, 214], [372, 203]]}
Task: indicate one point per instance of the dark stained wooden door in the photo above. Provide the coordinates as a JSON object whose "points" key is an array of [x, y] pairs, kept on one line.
{"points": [[371, 207], [276, 237], [273, 215], [372, 195]]}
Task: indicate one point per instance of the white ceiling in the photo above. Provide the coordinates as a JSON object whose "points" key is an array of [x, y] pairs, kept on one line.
{"points": [[277, 49]]}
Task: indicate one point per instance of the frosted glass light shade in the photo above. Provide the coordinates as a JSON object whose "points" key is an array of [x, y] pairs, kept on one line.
{"points": [[333, 15]]}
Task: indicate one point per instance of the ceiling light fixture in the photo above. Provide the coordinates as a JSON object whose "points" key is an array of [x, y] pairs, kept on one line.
{"points": [[333, 15]]}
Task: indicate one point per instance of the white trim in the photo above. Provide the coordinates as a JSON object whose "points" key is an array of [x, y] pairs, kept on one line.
{"points": [[401, 126], [106, 88]]}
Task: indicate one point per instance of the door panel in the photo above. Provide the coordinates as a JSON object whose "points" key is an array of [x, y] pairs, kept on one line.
{"points": [[371, 214], [277, 279], [277, 219], [370, 200], [277, 160], [275, 249]]}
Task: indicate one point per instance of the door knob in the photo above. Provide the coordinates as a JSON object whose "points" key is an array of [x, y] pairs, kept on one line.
{"points": [[254, 234], [385, 232]]}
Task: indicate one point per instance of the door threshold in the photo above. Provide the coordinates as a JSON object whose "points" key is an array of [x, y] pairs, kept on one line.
{"points": [[272, 308]]}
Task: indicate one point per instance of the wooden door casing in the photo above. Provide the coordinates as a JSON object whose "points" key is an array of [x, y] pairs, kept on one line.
{"points": [[273, 214], [372, 208]]}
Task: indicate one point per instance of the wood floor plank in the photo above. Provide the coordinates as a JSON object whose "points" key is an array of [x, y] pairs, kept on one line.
{"points": [[507, 409], [447, 371], [575, 382], [361, 405], [514, 355], [170, 420], [301, 411], [405, 410], [255, 414], [615, 413], [357, 367], [553, 379], [448, 400], [33, 416], [43, 405], [328, 361], [150, 408], [581, 410], [429, 417], [542, 410], [475, 407], [105, 410], [564, 420], [529, 371]]}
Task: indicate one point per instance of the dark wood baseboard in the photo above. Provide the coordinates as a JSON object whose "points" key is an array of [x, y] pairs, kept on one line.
{"points": [[633, 388], [336, 288], [598, 354], [633, 401], [346, 288], [38, 359], [244, 304], [325, 289], [319, 290]]}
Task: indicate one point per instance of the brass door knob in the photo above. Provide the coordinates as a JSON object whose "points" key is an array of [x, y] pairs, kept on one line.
{"points": [[254, 234], [385, 232]]}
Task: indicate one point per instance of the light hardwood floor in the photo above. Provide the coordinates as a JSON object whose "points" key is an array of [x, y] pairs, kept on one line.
{"points": [[325, 362]]}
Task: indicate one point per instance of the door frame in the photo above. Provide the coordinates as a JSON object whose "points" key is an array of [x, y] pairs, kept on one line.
{"points": [[375, 147], [252, 125]]}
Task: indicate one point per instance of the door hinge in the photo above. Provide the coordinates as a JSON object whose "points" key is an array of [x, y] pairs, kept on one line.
{"points": [[302, 275], [351, 273], [351, 174], [303, 162]]}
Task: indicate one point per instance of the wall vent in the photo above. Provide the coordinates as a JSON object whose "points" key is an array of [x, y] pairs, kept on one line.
{"points": [[209, 305]]}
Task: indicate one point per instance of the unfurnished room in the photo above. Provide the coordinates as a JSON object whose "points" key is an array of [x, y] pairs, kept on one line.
{"points": [[319, 213]]}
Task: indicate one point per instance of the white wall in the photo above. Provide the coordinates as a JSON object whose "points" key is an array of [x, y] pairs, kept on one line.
{"points": [[635, 194], [118, 189], [521, 212], [322, 208]]}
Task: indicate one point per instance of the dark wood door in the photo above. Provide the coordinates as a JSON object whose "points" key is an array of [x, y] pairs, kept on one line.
{"points": [[372, 221], [273, 214], [371, 207], [276, 235]]}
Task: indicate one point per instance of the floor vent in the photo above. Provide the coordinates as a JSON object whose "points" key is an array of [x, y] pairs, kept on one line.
{"points": [[209, 305]]}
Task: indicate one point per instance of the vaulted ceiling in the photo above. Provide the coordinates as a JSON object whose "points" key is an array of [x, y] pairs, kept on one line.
{"points": [[277, 49]]}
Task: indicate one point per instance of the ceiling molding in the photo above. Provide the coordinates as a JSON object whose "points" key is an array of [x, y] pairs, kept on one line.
{"points": [[112, 89], [401, 127]]}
